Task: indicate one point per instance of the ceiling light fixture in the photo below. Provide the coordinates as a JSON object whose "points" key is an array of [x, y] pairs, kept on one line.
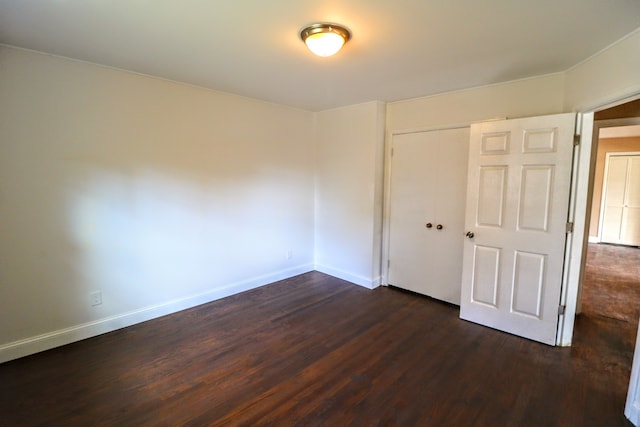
{"points": [[325, 39]]}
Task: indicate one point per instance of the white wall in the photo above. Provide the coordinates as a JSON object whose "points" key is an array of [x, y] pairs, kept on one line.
{"points": [[159, 194], [608, 77], [529, 97], [164, 195], [349, 159]]}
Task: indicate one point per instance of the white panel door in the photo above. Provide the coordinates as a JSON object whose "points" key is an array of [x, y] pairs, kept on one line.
{"points": [[620, 221], [427, 200], [517, 206]]}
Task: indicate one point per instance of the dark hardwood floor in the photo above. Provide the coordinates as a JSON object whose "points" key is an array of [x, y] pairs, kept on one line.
{"points": [[612, 282], [317, 351]]}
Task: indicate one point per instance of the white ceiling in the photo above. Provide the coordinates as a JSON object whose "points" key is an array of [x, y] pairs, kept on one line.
{"points": [[400, 48]]}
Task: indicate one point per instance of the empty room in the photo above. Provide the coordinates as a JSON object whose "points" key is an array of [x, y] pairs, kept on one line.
{"points": [[343, 213]]}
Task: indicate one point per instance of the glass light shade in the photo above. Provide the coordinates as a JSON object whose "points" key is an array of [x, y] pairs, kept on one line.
{"points": [[325, 39], [324, 44]]}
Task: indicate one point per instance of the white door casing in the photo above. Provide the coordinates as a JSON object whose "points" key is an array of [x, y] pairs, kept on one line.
{"points": [[517, 206], [428, 185], [620, 218], [632, 405]]}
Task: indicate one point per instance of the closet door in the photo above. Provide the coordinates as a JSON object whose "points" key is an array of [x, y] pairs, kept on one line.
{"points": [[620, 222], [427, 199]]}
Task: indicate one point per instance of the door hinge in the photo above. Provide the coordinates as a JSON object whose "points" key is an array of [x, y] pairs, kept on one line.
{"points": [[561, 310], [569, 227], [576, 140]]}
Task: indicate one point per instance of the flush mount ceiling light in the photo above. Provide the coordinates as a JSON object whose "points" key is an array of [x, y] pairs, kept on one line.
{"points": [[325, 39]]}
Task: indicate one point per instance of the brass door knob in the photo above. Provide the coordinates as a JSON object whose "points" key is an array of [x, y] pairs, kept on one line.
{"points": [[429, 225], [439, 227], [469, 234]]}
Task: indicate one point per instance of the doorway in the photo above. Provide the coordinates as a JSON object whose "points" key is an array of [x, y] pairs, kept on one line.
{"points": [[611, 283], [610, 289]]}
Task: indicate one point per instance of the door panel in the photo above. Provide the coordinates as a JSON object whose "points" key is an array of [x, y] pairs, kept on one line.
{"points": [[633, 197], [486, 271], [517, 204], [528, 278], [491, 195], [535, 197], [428, 185]]}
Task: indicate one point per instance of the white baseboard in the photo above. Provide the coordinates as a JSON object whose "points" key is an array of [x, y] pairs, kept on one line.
{"points": [[369, 283], [594, 239], [25, 347]]}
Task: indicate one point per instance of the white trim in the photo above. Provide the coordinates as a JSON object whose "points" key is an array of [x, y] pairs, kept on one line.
{"points": [[594, 239], [386, 209], [369, 283], [613, 100], [577, 242], [31, 345], [583, 123], [632, 406], [632, 412]]}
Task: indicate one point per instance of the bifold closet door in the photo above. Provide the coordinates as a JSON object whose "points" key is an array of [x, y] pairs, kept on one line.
{"points": [[621, 200], [427, 202]]}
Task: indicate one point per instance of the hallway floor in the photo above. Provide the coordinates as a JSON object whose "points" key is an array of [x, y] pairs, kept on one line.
{"points": [[612, 283]]}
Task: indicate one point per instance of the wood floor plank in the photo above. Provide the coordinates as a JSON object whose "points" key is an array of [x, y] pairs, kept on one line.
{"points": [[314, 350]]}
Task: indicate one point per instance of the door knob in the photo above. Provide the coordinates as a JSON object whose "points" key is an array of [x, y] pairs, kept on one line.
{"points": [[429, 225], [469, 234], [439, 226]]}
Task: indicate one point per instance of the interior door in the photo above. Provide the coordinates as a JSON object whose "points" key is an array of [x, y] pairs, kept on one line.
{"points": [[517, 206], [621, 200], [426, 223]]}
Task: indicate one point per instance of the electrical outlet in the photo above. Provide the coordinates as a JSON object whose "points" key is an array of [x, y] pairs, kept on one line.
{"points": [[96, 298]]}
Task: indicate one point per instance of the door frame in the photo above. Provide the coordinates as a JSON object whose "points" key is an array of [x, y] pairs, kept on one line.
{"points": [[608, 157], [386, 202], [588, 132]]}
